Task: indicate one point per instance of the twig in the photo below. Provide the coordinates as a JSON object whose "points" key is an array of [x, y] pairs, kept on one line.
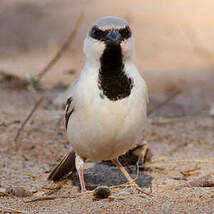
{"points": [[205, 181], [11, 210], [132, 184], [64, 47], [6, 124], [54, 190], [168, 121], [28, 117], [168, 163], [47, 197], [52, 197], [160, 105], [189, 172]]}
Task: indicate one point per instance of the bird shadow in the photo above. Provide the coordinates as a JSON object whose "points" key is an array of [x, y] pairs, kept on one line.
{"points": [[104, 175]]}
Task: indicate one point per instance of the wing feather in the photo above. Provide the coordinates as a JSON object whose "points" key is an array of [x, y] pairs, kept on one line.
{"points": [[68, 110]]}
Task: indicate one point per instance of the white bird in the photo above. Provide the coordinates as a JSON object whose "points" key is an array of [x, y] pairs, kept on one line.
{"points": [[106, 111]]}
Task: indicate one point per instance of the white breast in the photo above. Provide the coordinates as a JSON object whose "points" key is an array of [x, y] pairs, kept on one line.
{"points": [[100, 129]]}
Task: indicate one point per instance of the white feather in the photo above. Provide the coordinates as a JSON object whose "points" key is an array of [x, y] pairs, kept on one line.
{"points": [[101, 129]]}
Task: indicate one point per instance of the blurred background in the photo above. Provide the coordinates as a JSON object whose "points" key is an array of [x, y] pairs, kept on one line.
{"points": [[175, 55], [174, 43]]}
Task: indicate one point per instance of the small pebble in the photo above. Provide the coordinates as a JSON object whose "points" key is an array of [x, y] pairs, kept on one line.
{"points": [[18, 191], [102, 192]]}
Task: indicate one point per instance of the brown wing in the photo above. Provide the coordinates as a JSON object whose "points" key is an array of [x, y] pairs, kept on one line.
{"points": [[65, 166], [68, 110]]}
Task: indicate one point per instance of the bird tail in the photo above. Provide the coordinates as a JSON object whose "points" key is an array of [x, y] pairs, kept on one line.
{"points": [[65, 166]]}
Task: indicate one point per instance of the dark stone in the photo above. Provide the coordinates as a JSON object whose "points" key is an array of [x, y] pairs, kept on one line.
{"points": [[102, 192]]}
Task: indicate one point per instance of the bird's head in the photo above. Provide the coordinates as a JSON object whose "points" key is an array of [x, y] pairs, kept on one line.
{"points": [[108, 32]]}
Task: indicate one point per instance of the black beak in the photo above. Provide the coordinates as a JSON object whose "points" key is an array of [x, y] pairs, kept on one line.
{"points": [[113, 37]]}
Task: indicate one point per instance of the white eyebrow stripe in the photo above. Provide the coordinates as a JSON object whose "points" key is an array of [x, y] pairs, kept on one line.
{"points": [[110, 22], [109, 27]]}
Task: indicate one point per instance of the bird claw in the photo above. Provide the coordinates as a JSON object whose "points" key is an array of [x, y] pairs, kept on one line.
{"points": [[139, 189]]}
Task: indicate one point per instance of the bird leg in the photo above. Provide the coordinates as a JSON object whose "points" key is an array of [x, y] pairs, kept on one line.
{"points": [[128, 177], [79, 162], [122, 169]]}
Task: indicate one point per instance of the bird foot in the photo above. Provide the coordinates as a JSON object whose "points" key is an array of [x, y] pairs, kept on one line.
{"points": [[135, 186]]}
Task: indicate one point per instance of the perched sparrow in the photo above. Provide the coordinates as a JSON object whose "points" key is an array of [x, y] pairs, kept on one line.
{"points": [[106, 110]]}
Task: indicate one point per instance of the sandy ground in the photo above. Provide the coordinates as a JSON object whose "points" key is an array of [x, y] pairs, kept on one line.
{"points": [[177, 143], [174, 52]]}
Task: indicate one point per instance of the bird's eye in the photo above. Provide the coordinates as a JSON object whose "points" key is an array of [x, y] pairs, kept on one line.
{"points": [[125, 32], [96, 33]]}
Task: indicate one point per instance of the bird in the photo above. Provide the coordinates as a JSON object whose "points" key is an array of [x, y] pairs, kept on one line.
{"points": [[107, 106]]}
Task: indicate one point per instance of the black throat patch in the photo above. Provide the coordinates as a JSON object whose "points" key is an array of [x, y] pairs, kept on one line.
{"points": [[113, 81]]}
